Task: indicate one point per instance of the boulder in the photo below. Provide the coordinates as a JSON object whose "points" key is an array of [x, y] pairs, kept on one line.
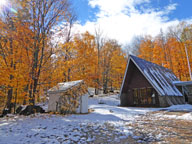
{"points": [[5, 112], [19, 109], [31, 109]]}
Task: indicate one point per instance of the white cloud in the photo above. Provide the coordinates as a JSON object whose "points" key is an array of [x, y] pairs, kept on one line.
{"points": [[112, 7], [121, 20], [171, 7]]}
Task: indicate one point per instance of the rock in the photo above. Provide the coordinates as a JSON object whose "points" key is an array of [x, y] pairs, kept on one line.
{"points": [[18, 110], [5, 112], [30, 109], [101, 102], [39, 109]]}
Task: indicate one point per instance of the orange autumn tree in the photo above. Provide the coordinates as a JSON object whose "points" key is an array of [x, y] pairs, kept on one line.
{"points": [[186, 38], [146, 48], [169, 51], [82, 62], [113, 63], [15, 39], [160, 50], [63, 63], [86, 58], [77, 59], [118, 66], [30, 64], [26, 50]]}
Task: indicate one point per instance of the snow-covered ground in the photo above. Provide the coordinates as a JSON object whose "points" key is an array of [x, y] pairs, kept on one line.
{"points": [[186, 115], [107, 123]]}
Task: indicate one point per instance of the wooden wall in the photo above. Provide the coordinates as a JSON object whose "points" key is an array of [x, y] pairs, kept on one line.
{"points": [[134, 79]]}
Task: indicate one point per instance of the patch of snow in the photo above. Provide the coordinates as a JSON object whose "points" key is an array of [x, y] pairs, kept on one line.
{"points": [[187, 116], [64, 86], [159, 136], [184, 107], [44, 105], [107, 121], [178, 108]]}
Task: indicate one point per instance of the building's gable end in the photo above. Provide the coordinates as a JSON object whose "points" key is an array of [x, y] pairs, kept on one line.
{"points": [[126, 71], [160, 78], [146, 77]]}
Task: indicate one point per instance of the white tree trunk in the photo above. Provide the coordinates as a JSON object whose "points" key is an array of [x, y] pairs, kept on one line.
{"points": [[189, 67]]}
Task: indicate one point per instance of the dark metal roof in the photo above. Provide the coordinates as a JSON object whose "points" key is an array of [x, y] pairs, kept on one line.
{"points": [[160, 77]]}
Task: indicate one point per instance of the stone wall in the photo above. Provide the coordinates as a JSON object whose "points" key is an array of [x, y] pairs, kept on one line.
{"points": [[68, 101]]}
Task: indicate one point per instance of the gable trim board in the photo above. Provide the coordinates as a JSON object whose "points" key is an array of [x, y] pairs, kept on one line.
{"points": [[125, 74], [160, 78]]}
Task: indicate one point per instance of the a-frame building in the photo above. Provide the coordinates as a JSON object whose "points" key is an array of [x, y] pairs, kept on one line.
{"points": [[149, 84]]}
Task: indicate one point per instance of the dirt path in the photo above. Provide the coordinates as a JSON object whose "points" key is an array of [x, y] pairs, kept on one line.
{"points": [[151, 128]]}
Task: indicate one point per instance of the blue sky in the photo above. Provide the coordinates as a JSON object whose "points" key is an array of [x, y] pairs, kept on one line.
{"points": [[183, 9], [84, 11], [124, 19]]}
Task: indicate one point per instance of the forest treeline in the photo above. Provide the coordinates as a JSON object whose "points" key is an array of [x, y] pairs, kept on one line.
{"points": [[172, 50], [32, 60]]}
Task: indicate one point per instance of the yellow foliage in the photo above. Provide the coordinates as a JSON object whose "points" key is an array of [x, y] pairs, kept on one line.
{"points": [[170, 54]]}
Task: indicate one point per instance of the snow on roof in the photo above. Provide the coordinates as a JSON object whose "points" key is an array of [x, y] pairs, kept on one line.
{"points": [[160, 77], [64, 86], [182, 83]]}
